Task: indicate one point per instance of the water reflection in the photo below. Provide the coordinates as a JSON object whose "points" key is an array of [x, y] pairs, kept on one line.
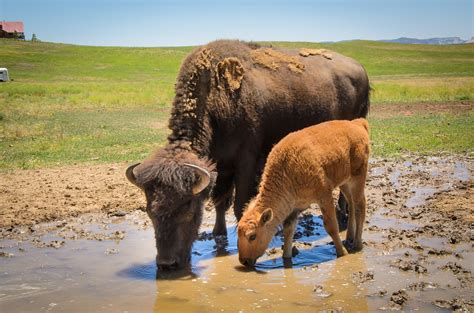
{"points": [[202, 250], [343, 284]]}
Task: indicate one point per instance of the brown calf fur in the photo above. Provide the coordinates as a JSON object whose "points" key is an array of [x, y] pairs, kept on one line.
{"points": [[303, 168]]}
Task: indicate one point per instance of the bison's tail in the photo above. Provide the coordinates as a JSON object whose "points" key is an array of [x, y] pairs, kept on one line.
{"points": [[364, 110]]}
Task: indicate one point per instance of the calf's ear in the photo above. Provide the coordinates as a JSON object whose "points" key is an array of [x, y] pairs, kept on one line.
{"points": [[266, 216]]}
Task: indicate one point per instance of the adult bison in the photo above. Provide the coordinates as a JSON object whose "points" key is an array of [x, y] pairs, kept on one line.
{"points": [[234, 101]]}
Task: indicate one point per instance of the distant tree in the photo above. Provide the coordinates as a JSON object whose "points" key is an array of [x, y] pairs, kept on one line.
{"points": [[34, 38]]}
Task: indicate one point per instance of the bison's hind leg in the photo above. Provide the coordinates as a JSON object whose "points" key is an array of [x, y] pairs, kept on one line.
{"points": [[222, 198], [342, 210]]}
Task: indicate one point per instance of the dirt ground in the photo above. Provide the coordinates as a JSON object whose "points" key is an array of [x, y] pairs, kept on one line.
{"points": [[407, 109], [30, 197]]}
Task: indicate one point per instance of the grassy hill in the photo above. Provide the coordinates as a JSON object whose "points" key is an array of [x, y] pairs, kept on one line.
{"points": [[72, 104]]}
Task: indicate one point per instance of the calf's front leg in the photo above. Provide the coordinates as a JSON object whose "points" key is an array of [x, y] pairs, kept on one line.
{"points": [[289, 226]]}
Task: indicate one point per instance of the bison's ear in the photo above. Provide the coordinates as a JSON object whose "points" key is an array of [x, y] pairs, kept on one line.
{"points": [[203, 180], [266, 216], [131, 175], [230, 73]]}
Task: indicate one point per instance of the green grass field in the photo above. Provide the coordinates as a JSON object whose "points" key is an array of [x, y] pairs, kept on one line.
{"points": [[77, 104]]}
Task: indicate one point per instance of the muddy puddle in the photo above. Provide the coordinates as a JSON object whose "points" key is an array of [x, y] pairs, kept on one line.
{"points": [[120, 275], [417, 256]]}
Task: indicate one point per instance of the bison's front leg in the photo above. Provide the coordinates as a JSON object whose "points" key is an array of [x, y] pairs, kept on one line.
{"points": [[245, 184], [342, 210], [222, 198]]}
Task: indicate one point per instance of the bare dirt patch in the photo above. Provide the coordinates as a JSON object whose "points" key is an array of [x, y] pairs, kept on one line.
{"points": [[29, 197], [384, 111]]}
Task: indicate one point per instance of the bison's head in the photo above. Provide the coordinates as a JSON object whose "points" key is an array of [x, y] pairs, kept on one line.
{"points": [[175, 192], [255, 231]]}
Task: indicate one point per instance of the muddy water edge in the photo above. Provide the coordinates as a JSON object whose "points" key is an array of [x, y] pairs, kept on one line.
{"points": [[417, 255]]}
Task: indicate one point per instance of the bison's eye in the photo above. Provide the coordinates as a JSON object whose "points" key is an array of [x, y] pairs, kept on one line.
{"points": [[252, 237]]}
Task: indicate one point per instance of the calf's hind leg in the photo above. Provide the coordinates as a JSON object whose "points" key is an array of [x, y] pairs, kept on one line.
{"points": [[351, 224], [358, 197], [330, 222]]}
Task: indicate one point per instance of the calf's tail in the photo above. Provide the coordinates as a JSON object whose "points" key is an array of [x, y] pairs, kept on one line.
{"points": [[362, 122]]}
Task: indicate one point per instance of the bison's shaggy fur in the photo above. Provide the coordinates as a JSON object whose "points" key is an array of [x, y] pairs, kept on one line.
{"points": [[305, 167], [234, 101]]}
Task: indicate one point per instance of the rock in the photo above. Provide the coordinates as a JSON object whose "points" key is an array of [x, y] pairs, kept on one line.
{"points": [[362, 277], [398, 298], [117, 213], [410, 265], [420, 286], [456, 305], [6, 254], [320, 292], [111, 251]]}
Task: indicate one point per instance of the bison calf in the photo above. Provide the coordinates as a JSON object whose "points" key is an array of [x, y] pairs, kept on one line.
{"points": [[305, 167]]}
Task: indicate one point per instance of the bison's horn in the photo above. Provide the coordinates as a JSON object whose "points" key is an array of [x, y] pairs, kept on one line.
{"points": [[130, 175], [204, 178]]}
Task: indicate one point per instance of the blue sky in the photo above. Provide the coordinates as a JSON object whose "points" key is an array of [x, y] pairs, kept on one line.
{"points": [[187, 22]]}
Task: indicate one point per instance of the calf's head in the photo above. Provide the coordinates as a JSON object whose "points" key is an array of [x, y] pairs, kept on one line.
{"points": [[175, 193], [255, 231]]}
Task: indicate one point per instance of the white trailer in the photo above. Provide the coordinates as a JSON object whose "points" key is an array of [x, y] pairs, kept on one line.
{"points": [[4, 75]]}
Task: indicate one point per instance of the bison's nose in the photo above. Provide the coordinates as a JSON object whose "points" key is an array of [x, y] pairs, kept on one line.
{"points": [[247, 262], [167, 265]]}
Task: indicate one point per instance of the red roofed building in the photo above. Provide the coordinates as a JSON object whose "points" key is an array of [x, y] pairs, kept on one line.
{"points": [[12, 30]]}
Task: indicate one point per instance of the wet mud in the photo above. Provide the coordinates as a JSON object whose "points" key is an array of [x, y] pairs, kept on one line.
{"points": [[417, 255]]}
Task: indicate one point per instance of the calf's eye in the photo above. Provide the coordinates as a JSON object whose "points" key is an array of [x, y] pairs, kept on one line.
{"points": [[252, 237]]}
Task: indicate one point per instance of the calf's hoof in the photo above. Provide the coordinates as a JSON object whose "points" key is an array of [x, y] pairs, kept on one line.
{"points": [[287, 262], [357, 246], [341, 253], [348, 245]]}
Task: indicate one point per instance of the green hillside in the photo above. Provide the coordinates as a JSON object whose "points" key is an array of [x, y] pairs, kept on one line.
{"points": [[71, 103]]}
